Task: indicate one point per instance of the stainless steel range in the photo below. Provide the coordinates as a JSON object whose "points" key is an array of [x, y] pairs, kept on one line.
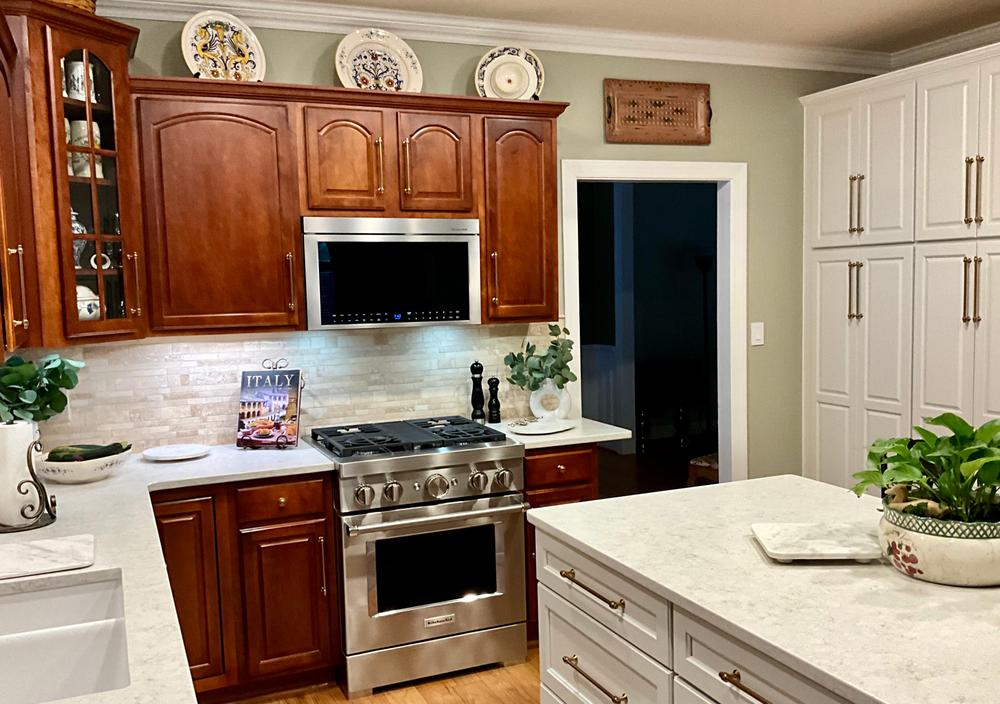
{"points": [[432, 547]]}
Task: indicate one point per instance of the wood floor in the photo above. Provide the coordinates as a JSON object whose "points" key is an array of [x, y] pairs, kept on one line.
{"points": [[517, 684]]}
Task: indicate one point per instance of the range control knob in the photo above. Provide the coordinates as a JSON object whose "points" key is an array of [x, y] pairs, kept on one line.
{"points": [[364, 495], [392, 492], [478, 481], [504, 478], [436, 486]]}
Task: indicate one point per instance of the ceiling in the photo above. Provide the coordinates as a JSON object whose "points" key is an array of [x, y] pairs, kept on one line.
{"points": [[872, 25]]}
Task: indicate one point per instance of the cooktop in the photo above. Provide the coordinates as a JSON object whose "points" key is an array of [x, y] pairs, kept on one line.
{"points": [[360, 439]]}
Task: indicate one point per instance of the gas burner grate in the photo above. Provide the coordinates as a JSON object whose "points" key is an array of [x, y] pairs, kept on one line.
{"points": [[403, 436]]}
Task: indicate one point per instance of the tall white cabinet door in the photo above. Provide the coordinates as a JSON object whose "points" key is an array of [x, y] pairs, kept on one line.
{"points": [[884, 345], [943, 344], [887, 120], [829, 369], [987, 380], [947, 134], [989, 148], [831, 148]]}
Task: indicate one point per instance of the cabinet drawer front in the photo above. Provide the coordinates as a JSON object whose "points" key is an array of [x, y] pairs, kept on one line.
{"points": [[702, 651], [279, 501], [547, 697], [686, 694], [582, 661], [645, 619], [565, 467]]}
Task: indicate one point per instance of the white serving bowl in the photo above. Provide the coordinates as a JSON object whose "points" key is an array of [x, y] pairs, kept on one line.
{"points": [[82, 472]]}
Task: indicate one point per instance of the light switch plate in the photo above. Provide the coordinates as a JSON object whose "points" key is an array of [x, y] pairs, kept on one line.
{"points": [[756, 334]]}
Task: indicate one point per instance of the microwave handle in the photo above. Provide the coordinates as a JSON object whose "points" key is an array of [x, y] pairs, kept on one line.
{"points": [[354, 531]]}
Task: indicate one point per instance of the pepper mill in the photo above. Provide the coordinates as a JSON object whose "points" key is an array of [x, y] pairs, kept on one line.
{"points": [[478, 401], [494, 403]]}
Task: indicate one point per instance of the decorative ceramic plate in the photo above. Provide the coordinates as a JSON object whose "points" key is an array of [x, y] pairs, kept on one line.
{"points": [[373, 59], [541, 427], [219, 45], [786, 542], [174, 453], [510, 72]]}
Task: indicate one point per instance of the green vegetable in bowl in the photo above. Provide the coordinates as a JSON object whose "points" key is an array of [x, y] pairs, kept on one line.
{"points": [[79, 453]]}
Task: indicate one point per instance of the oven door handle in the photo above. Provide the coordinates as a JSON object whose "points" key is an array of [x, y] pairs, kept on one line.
{"points": [[353, 530]]}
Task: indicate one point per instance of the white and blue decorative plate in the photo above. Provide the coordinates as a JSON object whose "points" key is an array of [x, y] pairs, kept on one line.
{"points": [[510, 72], [373, 59], [219, 45]]}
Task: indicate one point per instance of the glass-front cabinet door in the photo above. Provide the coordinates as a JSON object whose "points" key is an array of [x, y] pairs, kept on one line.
{"points": [[98, 229]]}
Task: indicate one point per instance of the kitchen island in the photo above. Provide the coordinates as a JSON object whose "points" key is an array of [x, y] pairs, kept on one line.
{"points": [[653, 596]]}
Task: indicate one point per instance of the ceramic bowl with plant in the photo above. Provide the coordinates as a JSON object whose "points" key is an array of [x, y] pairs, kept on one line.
{"points": [[545, 374], [941, 511]]}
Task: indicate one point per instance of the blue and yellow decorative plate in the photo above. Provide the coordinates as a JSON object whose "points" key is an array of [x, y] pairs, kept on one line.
{"points": [[220, 46], [373, 59]]}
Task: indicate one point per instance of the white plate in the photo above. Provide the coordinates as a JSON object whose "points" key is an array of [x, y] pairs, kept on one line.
{"points": [[787, 542], [373, 59], [510, 72], [221, 46], [173, 453], [542, 427]]}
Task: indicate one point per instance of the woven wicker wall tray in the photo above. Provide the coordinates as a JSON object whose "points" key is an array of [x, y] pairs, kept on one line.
{"points": [[656, 112]]}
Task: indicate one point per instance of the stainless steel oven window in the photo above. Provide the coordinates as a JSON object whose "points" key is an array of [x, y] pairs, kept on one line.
{"points": [[313, 293]]}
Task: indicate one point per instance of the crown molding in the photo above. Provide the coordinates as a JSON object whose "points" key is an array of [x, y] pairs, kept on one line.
{"points": [[309, 16], [946, 46]]}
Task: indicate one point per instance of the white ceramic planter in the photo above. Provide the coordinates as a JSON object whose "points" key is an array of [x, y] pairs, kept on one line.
{"points": [[945, 552], [550, 402]]}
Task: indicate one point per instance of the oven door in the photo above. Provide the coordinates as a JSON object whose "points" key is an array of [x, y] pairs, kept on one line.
{"points": [[418, 573]]}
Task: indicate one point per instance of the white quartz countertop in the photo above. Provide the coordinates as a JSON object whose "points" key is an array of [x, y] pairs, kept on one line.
{"points": [[863, 631], [585, 432], [119, 514]]}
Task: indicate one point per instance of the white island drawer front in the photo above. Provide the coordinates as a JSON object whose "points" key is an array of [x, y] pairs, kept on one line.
{"points": [[703, 655], [634, 613], [582, 662], [547, 697], [686, 694]]}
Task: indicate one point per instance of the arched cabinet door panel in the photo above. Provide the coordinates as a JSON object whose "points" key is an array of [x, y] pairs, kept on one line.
{"points": [[520, 252], [221, 215], [348, 160], [435, 161]]}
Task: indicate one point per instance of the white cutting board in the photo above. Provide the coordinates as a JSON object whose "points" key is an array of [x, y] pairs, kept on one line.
{"points": [[787, 542], [43, 556]]}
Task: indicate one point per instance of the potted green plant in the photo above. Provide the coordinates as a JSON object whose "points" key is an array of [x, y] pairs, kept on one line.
{"points": [[29, 392], [545, 375], [941, 511]]}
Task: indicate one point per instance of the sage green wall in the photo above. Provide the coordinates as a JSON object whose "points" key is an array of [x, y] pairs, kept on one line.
{"points": [[757, 119]]}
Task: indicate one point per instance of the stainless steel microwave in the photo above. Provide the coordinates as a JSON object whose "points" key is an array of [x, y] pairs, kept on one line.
{"points": [[384, 272]]}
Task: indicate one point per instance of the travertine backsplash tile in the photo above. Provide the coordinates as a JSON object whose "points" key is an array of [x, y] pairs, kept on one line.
{"points": [[186, 389]]}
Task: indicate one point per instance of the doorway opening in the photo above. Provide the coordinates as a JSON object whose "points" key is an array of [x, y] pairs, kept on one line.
{"points": [[655, 283]]}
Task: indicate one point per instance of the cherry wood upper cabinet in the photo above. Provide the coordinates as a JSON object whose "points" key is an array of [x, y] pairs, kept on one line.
{"points": [[286, 590], [219, 179], [520, 248], [435, 164], [346, 157]]}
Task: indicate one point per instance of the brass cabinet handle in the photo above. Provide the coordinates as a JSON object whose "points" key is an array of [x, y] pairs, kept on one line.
{"points": [[570, 575], [134, 258], [852, 179], [976, 318], [380, 153], [560, 468], [19, 251], [282, 502], [966, 261], [495, 258], [979, 188], [858, 227], [322, 560], [858, 315], [969, 161], [734, 678], [574, 662], [407, 187], [290, 258], [850, 290]]}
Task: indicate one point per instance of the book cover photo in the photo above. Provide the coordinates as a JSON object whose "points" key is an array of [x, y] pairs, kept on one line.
{"points": [[269, 409]]}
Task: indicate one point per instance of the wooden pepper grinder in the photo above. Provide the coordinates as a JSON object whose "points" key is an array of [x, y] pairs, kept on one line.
{"points": [[478, 401], [494, 403]]}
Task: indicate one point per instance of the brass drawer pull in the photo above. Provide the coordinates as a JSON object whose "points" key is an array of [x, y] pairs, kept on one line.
{"points": [[976, 318], [574, 662], [966, 262], [495, 258], [570, 575], [734, 678], [858, 315], [290, 258], [407, 186], [380, 151], [858, 227], [322, 559], [282, 502], [852, 179], [19, 251], [979, 188], [134, 258], [969, 161], [561, 468], [850, 290]]}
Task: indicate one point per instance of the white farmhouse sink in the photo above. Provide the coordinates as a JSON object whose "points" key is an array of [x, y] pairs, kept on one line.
{"points": [[58, 642]]}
